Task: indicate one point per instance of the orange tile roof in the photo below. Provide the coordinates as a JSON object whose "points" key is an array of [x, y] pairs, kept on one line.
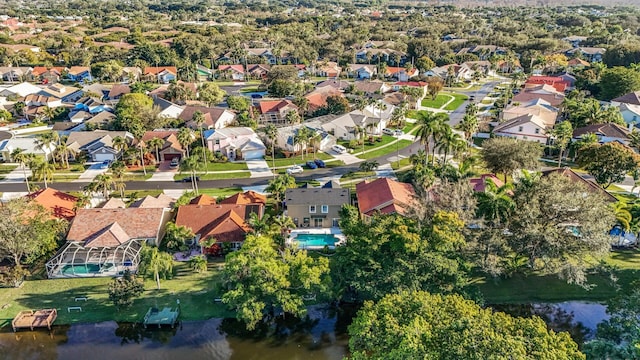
{"points": [[60, 204], [384, 195], [203, 199], [245, 198], [153, 70], [225, 223], [479, 183], [274, 105], [236, 68], [39, 70], [137, 223]]}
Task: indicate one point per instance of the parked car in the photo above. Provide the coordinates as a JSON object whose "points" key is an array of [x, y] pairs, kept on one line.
{"points": [[398, 132], [295, 169], [339, 149], [387, 131], [105, 164], [188, 179], [174, 162], [320, 163], [311, 165]]}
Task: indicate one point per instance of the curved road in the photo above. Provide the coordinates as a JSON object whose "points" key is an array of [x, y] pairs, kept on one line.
{"points": [[208, 184]]}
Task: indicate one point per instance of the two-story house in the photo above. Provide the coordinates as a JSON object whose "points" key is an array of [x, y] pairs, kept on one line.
{"points": [[316, 207]]}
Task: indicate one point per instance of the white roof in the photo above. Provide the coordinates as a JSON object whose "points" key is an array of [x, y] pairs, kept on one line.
{"points": [[27, 144], [24, 89]]}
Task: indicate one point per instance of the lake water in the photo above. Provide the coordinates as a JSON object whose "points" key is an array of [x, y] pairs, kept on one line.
{"points": [[321, 336]]}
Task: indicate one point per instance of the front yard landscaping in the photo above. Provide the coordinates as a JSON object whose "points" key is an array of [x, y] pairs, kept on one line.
{"points": [[296, 160], [227, 166], [214, 176], [436, 103], [386, 150]]}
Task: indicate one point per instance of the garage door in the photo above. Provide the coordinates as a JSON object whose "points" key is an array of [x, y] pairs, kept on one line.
{"points": [[252, 155], [103, 157], [169, 157]]}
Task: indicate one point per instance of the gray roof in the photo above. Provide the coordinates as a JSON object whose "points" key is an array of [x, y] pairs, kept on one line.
{"points": [[317, 196]]}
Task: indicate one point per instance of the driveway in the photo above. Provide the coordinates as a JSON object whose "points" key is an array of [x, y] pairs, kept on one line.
{"points": [[258, 168], [347, 158], [164, 172], [91, 172], [456, 116]]}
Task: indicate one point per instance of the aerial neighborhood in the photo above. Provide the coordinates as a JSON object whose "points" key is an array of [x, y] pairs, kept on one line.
{"points": [[225, 161]]}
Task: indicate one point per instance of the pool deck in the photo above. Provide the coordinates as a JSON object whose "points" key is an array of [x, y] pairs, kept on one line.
{"points": [[335, 231]]}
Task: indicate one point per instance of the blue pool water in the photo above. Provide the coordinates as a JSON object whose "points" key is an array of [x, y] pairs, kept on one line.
{"points": [[83, 269], [315, 240]]}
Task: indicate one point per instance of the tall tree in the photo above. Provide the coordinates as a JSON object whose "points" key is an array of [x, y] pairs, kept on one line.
{"points": [[562, 134], [618, 81], [185, 138], [429, 125], [259, 279], [24, 159], [505, 155], [271, 133], [210, 94], [419, 325], [608, 163], [190, 165], [279, 185], [156, 143], [155, 263], [103, 183], [43, 171]]}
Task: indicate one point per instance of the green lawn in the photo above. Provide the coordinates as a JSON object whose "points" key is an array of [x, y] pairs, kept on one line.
{"points": [[65, 177], [196, 293], [386, 150], [408, 127], [249, 89], [459, 100], [5, 169], [216, 176], [280, 161], [222, 192], [358, 175], [228, 166], [138, 176], [395, 165], [436, 103], [367, 145]]}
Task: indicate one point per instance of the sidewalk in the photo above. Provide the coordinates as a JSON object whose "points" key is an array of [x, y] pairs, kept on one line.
{"points": [[258, 169]]}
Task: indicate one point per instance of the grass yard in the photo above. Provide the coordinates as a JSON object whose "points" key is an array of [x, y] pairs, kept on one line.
{"points": [[5, 169], [459, 99], [216, 176], [358, 175], [408, 127], [138, 176], [395, 165], [436, 103], [281, 161], [222, 192], [385, 150], [65, 177], [195, 291], [227, 166], [386, 139]]}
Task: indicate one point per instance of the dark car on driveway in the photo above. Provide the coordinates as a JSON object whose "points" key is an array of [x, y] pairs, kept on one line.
{"points": [[320, 163], [311, 165], [188, 179]]}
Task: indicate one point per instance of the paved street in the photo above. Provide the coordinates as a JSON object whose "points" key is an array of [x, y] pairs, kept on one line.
{"points": [[456, 116]]}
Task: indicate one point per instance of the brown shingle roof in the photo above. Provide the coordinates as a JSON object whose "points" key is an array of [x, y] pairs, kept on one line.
{"points": [[111, 236], [609, 130], [630, 98], [161, 201], [575, 177], [137, 223], [384, 195]]}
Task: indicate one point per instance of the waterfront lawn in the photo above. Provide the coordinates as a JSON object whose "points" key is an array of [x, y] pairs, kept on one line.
{"points": [[196, 293], [391, 149]]}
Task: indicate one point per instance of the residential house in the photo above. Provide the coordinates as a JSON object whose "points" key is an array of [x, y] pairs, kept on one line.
{"points": [[161, 74], [14, 74], [400, 73], [509, 66], [90, 105], [375, 55], [451, 72], [167, 108], [78, 116], [101, 120], [28, 145], [317, 99], [96, 90], [113, 203], [258, 71], [544, 91], [559, 83], [220, 223], [59, 204], [605, 133], [236, 143], [64, 128], [130, 74], [287, 135], [98, 144], [161, 201], [590, 54], [632, 98], [339, 85], [577, 64], [538, 107], [384, 196], [371, 119], [328, 69], [36, 100], [576, 178], [20, 90], [244, 198], [315, 207], [171, 147], [371, 87], [204, 73], [203, 199], [233, 72], [68, 94], [264, 53], [525, 127], [479, 184], [275, 111], [79, 74], [362, 71], [484, 52], [630, 113], [575, 40], [47, 75], [116, 92], [214, 117], [106, 242]]}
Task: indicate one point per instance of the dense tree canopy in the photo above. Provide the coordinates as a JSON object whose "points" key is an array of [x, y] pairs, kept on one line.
{"points": [[505, 155], [419, 325], [608, 163], [618, 81]]}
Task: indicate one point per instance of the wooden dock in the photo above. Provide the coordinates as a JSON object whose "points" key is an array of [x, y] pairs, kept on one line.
{"points": [[30, 319], [166, 316]]}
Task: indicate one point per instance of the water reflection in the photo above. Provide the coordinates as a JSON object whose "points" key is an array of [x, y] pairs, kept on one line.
{"points": [[315, 337]]}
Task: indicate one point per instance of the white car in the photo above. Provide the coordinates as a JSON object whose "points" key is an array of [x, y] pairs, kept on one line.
{"points": [[295, 169], [339, 149]]}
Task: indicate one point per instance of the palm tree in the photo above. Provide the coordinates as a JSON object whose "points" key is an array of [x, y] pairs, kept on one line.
{"points": [[449, 141], [191, 165], [156, 262], [314, 141], [259, 225], [623, 216], [156, 143], [198, 119], [46, 141], [82, 202], [103, 183], [271, 132], [23, 158], [589, 139], [185, 138], [120, 144], [468, 125], [279, 185], [49, 113], [143, 150], [43, 170], [118, 169], [303, 135], [495, 203], [283, 224], [64, 151], [429, 126], [562, 134]]}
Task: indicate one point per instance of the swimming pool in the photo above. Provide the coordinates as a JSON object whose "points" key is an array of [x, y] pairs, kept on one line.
{"points": [[317, 241], [83, 269]]}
